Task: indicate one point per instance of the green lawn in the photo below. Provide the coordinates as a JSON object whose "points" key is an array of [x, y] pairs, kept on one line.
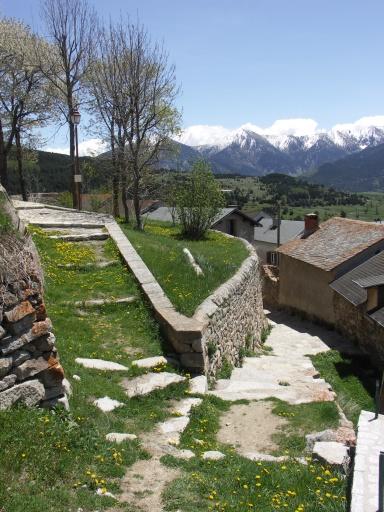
{"points": [[161, 249], [352, 378], [236, 484], [52, 460]]}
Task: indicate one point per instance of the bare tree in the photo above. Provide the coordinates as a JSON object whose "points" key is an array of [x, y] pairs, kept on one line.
{"points": [[25, 99], [150, 84], [72, 28]]}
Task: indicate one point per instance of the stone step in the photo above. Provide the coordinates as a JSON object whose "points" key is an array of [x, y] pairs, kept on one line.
{"points": [[99, 264], [149, 382], [81, 237], [92, 303], [69, 225], [100, 364]]}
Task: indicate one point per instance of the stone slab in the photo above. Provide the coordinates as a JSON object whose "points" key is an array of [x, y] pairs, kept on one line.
{"points": [[149, 362], [151, 381], [184, 407], [213, 455], [198, 385], [107, 404], [331, 452], [119, 437], [100, 364]]}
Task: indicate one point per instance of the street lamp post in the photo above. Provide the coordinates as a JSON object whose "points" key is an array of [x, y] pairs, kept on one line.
{"points": [[75, 118]]}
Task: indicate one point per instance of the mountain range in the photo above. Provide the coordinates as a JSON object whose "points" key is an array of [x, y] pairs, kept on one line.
{"points": [[247, 152]]}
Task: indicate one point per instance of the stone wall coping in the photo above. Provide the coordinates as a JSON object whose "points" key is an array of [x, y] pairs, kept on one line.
{"points": [[161, 304]]}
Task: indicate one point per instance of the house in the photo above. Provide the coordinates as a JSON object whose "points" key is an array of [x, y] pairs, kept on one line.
{"points": [[324, 253], [266, 235], [229, 220], [359, 305]]}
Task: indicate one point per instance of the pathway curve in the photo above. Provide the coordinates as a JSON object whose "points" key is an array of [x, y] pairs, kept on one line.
{"points": [[286, 372]]}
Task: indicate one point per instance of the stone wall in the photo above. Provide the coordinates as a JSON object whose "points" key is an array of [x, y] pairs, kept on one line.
{"points": [[353, 322], [30, 371], [271, 284], [231, 318]]}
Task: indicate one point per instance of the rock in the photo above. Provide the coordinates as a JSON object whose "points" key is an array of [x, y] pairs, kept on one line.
{"points": [[116, 437], [197, 345], [103, 492], [53, 376], [5, 365], [54, 392], [182, 454], [331, 452], [7, 382], [19, 357], [63, 401], [45, 343], [76, 377], [174, 425], [10, 344], [198, 385], [100, 364], [213, 455], [265, 456], [147, 383], [323, 436], [67, 387], [102, 302], [107, 404], [183, 408], [31, 367], [3, 332], [149, 362], [30, 393], [19, 312]]}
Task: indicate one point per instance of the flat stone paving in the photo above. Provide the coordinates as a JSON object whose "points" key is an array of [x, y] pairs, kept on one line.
{"points": [[370, 442], [286, 372]]}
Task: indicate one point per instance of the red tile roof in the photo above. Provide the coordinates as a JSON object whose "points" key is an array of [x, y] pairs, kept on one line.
{"points": [[335, 242]]}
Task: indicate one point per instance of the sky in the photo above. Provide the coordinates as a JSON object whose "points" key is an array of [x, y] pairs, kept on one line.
{"points": [[258, 61]]}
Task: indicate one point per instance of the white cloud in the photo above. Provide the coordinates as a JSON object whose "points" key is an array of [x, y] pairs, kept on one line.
{"points": [[200, 134], [363, 122], [296, 127], [90, 147]]}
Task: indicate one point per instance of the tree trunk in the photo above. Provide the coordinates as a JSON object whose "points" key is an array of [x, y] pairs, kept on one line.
{"points": [[72, 158], [19, 157], [124, 197], [116, 175], [136, 204], [3, 160]]}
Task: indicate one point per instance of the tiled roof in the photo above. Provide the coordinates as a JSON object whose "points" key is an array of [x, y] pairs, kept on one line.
{"points": [[335, 242], [349, 284]]}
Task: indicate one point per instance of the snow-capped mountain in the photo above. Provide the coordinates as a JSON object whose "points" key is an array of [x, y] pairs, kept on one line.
{"points": [[288, 146]]}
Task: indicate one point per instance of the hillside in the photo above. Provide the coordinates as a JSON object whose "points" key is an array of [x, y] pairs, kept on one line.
{"points": [[362, 171]]}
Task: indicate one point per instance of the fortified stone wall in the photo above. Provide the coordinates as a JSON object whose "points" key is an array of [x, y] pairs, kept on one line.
{"points": [[233, 317], [30, 371], [353, 322]]}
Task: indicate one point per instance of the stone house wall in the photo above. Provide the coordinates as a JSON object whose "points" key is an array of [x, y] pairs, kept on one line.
{"points": [[271, 285], [353, 322], [230, 318], [30, 371], [243, 228]]}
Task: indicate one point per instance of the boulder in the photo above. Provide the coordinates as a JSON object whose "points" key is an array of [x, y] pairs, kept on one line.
{"points": [[331, 452], [323, 436], [10, 344], [20, 318], [30, 393]]}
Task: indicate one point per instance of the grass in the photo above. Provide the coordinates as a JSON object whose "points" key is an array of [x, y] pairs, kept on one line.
{"points": [[352, 378], [54, 460], [237, 484], [302, 419], [161, 249]]}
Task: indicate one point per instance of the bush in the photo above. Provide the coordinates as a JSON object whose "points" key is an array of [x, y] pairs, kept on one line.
{"points": [[198, 201]]}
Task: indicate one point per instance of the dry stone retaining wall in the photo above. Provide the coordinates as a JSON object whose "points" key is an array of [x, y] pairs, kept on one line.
{"points": [[30, 371], [231, 318]]}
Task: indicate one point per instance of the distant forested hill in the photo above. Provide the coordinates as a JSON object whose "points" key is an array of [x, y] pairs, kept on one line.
{"points": [[359, 172]]}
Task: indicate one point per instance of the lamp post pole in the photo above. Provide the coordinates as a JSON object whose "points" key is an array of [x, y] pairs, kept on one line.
{"points": [[75, 118]]}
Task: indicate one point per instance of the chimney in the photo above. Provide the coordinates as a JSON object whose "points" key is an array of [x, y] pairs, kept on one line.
{"points": [[311, 224]]}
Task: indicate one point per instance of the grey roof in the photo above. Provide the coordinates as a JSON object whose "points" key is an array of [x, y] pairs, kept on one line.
{"points": [[163, 214], [347, 284], [368, 282], [289, 229], [378, 316]]}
